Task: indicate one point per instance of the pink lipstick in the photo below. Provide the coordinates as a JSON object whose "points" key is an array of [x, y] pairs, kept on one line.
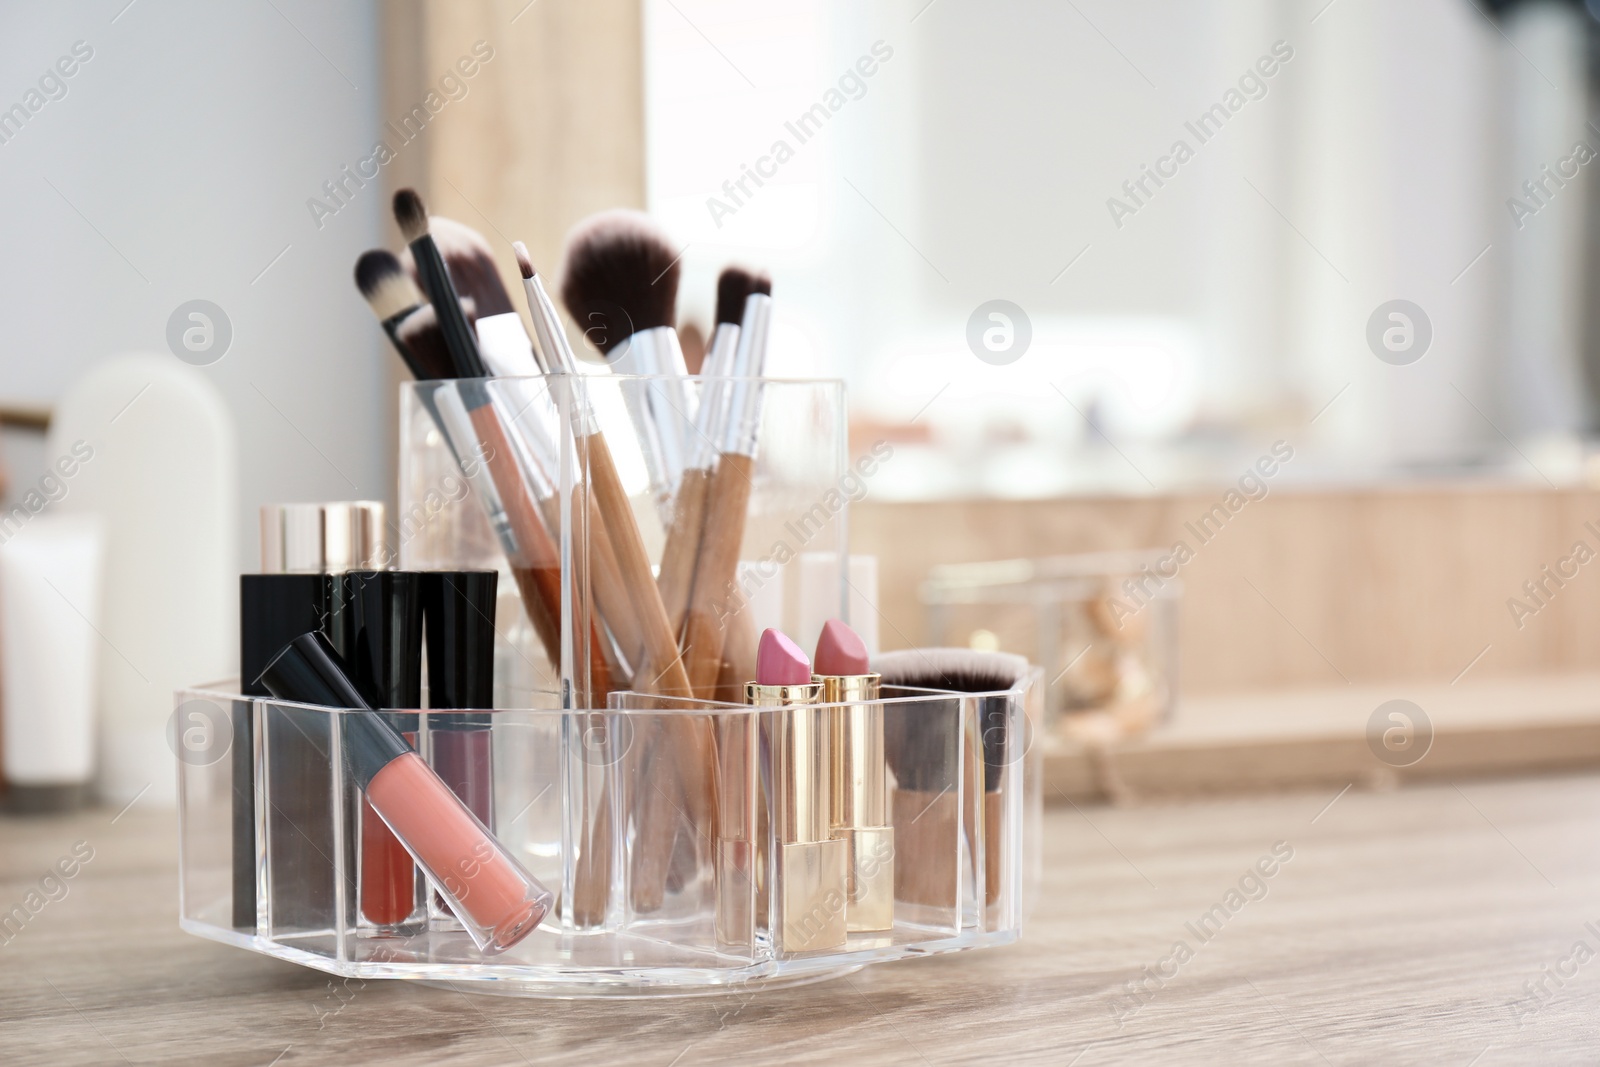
{"points": [[810, 882], [859, 791]]}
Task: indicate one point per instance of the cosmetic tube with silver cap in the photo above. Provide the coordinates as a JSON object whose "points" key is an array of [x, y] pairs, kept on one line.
{"points": [[809, 876]]}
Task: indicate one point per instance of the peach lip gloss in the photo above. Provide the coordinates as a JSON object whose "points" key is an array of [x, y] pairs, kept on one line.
{"points": [[498, 902]]}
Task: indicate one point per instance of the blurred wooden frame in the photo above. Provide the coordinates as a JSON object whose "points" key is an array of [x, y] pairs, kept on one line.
{"points": [[550, 129]]}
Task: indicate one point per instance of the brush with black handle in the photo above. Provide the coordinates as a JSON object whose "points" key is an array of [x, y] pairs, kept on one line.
{"points": [[468, 257], [530, 550]]}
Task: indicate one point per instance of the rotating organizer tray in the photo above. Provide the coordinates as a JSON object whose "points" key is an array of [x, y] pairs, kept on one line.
{"points": [[671, 875], [269, 868]]}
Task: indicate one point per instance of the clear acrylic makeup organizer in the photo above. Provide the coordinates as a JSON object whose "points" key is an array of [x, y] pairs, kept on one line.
{"points": [[578, 791]]}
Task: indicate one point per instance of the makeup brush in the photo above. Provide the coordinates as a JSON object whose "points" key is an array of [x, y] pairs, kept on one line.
{"points": [[530, 550], [921, 744], [392, 295], [469, 258], [710, 611], [660, 669], [620, 284], [419, 334], [676, 579], [416, 334], [434, 278]]}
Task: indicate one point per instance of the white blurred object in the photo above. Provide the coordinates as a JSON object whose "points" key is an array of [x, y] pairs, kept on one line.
{"points": [[50, 584], [814, 598], [163, 478]]}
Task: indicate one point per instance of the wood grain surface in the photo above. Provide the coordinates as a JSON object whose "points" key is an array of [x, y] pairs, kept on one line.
{"points": [[1402, 930]]}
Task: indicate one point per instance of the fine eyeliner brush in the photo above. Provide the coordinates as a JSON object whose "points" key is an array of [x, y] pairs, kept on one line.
{"points": [[687, 738]]}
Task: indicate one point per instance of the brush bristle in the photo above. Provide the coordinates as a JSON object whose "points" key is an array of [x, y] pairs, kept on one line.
{"points": [[620, 275], [411, 214], [524, 261], [419, 333], [960, 670], [470, 259], [385, 284], [734, 284], [920, 743]]}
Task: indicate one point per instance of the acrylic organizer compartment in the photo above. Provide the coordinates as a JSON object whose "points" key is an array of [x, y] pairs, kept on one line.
{"points": [[577, 797]]}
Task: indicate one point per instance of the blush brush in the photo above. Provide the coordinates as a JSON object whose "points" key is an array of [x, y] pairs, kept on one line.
{"points": [[620, 284]]}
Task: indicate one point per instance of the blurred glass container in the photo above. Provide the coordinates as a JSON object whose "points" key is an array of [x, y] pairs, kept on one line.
{"points": [[1102, 625]]}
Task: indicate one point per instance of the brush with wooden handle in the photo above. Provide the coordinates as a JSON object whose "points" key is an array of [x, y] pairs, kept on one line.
{"points": [[676, 576], [660, 671], [712, 602]]}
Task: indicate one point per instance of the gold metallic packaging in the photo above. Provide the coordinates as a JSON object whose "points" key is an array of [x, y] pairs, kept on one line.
{"points": [[859, 809], [810, 880]]}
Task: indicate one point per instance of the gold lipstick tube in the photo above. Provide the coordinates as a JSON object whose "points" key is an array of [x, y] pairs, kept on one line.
{"points": [[860, 789], [810, 878]]}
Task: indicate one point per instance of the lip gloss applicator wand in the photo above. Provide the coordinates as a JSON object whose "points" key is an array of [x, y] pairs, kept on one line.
{"points": [[497, 900]]}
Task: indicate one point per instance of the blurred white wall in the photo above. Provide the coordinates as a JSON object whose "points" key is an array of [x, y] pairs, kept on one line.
{"points": [[177, 167]]}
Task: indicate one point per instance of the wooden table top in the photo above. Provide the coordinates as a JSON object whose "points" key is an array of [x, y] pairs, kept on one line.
{"points": [[1444, 923]]}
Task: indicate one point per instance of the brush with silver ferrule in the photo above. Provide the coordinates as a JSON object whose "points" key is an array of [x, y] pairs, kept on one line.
{"points": [[708, 619], [529, 547], [631, 605], [687, 524], [620, 284]]}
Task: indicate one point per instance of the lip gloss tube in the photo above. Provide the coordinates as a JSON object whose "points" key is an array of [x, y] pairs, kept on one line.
{"points": [[859, 782], [458, 611], [810, 882], [379, 619], [499, 903]]}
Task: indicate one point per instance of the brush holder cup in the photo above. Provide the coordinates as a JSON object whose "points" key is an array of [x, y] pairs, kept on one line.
{"points": [[579, 799], [614, 546]]}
